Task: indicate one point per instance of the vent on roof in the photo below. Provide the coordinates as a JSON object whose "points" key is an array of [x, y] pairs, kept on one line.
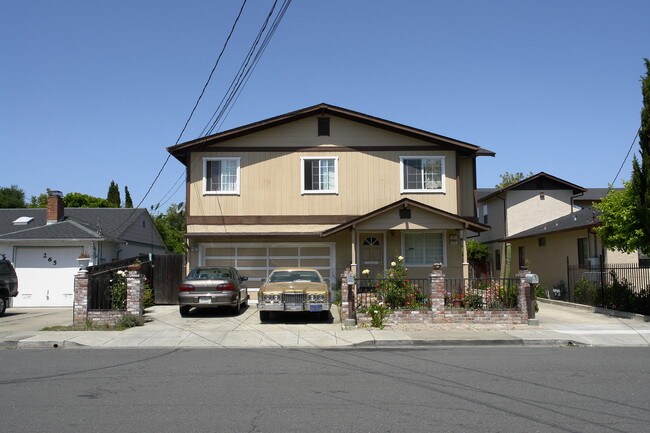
{"points": [[23, 221]]}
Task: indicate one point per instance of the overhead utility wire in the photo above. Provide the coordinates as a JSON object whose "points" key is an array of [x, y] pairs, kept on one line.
{"points": [[244, 71], [267, 39], [626, 156], [232, 29]]}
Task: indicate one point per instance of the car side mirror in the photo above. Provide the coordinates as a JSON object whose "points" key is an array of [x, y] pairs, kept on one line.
{"points": [[243, 278]]}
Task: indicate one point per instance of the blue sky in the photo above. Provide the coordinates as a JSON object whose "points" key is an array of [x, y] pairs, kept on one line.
{"points": [[95, 91]]}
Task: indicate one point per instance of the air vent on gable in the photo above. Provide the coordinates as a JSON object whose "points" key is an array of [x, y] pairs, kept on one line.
{"points": [[23, 221]]}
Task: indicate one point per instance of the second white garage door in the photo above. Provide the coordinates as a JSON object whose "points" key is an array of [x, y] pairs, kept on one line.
{"points": [[256, 261]]}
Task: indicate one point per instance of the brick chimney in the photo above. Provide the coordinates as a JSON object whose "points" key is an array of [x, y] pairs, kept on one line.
{"points": [[54, 207]]}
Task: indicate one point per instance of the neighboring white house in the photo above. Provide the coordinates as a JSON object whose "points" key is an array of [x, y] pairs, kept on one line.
{"points": [[44, 245]]}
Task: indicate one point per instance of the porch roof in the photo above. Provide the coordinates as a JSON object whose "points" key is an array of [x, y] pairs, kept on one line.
{"points": [[406, 203]]}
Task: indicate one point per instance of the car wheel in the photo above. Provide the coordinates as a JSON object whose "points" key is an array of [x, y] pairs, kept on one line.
{"points": [[246, 300], [184, 310], [265, 316], [237, 307], [3, 306]]}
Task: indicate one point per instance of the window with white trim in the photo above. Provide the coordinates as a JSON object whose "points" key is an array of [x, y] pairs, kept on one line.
{"points": [[319, 175], [424, 248], [221, 175], [422, 173]]}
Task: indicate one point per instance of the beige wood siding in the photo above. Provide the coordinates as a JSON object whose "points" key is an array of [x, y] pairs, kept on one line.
{"points": [[270, 180]]}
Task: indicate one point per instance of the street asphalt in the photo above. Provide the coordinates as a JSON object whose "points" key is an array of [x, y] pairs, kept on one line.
{"points": [[556, 324]]}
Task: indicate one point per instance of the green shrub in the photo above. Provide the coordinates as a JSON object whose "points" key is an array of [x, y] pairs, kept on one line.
{"points": [[378, 314], [147, 296], [586, 292], [473, 301], [129, 321]]}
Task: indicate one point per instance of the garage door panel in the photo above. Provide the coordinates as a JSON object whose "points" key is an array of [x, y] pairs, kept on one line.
{"points": [[285, 251], [315, 263], [46, 276], [220, 262], [284, 263], [315, 251]]}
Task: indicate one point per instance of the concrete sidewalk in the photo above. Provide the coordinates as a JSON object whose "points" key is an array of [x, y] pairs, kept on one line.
{"points": [[559, 325]]}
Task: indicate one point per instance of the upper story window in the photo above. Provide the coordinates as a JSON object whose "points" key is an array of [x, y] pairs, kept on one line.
{"points": [[319, 175], [221, 175], [485, 214], [422, 173]]}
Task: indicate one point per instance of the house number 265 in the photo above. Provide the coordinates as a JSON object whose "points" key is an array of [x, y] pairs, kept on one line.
{"points": [[50, 259]]}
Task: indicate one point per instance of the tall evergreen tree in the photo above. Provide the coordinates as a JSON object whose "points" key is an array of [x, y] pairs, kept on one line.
{"points": [[128, 203], [113, 196], [640, 181]]}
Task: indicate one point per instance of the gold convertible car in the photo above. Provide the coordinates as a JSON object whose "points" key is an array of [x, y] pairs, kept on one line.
{"points": [[294, 289]]}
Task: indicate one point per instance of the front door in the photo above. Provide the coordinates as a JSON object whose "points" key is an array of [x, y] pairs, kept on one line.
{"points": [[372, 253]]}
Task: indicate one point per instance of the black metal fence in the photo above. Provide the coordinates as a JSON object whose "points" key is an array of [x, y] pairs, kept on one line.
{"points": [[624, 287], [481, 293], [461, 293]]}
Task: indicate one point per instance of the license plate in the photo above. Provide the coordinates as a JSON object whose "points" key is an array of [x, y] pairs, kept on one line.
{"points": [[316, 307], [293, 307], [205, 300]]}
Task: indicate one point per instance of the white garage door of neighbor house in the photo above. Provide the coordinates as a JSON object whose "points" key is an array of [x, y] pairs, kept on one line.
{"points": [[46, 276], [256, 261]]}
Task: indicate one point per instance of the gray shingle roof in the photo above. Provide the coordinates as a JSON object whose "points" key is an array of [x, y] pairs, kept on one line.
{"points": [[584, 218], [78, 223]]}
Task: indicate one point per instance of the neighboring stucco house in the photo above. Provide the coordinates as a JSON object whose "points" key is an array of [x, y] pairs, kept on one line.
{"points": [[548, 223], [44, 245], [329, 188]]}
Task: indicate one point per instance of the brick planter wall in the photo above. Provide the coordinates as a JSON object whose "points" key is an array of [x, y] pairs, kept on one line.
{"points": [[134, 301]]}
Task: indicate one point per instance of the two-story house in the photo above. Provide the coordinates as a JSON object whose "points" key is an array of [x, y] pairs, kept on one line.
{"points": [[548, 224], [329, 188]]}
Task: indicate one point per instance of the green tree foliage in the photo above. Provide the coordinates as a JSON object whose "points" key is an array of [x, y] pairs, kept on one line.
{"points": [[478, 255], [508, 179], [625, 217], [619, 228], [171, 227], [77, 199], [113, 196], [128, 203], [640, 182], [38, 201], [12, 197]]}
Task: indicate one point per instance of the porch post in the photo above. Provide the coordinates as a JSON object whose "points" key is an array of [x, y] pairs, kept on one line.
{"points": [[465, 261], [353, 255]]}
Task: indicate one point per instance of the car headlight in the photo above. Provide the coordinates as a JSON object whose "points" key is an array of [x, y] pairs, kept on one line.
{"points": [[320, 297], [267, 297], [276, 297], [312, 297]]}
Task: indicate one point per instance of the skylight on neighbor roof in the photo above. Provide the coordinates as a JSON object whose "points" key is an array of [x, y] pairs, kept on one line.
{"points": [[23, 221]]}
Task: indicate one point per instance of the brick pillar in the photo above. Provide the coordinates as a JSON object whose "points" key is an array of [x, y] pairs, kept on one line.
{"points": [[522, 298], [437, 282], [134, 286], [80, 304]]}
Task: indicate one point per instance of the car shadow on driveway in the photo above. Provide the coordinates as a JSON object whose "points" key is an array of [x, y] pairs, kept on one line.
{"points": [[218, 312], [298, 318]]}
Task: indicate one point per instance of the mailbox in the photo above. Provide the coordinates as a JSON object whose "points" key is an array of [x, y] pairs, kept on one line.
{"points": [[532, 278]]}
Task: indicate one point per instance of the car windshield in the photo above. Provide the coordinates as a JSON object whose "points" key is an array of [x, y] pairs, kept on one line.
{"points": [[209, 274], [294, 276], [5, 267]]}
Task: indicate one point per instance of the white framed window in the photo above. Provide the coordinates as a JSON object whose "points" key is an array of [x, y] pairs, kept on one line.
{"points": [[422, 173], [424, 248], [221, 175], [319, 175]]}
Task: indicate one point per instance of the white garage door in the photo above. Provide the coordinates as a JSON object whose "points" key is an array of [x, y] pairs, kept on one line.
{"points": [[46, 276], [256, 261]]}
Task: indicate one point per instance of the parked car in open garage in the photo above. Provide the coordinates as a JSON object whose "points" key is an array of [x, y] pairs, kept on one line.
{"points": [[293, 289], [212, 287]]}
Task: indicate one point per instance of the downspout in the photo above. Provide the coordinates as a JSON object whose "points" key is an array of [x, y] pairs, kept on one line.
{"points": [[465, 261]]}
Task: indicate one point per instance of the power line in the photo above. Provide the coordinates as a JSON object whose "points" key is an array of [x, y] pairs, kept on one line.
{"points": [[232, 29], [626, 156]]}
